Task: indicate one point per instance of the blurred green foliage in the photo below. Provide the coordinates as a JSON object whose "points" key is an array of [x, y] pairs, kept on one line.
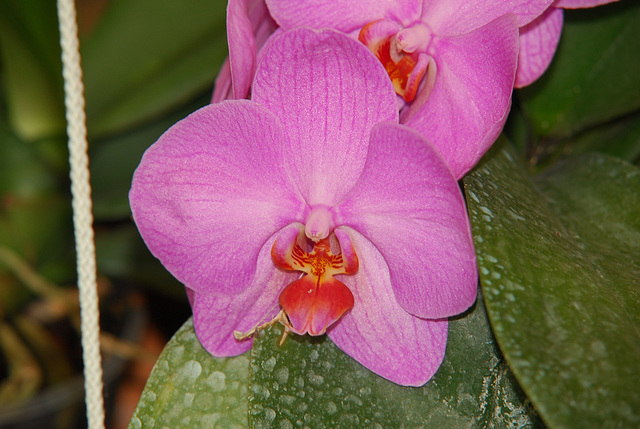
{"points": [[146, 63]]}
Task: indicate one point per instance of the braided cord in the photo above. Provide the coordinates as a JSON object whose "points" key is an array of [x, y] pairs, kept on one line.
{"points": [[82, 215]]}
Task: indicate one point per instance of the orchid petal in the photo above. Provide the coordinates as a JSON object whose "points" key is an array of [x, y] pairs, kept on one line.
{"points": [[471, 95], [222, 89], [378, 333], [579, 4], [409, 206], [455, 17], [343, 15], [316, 300], [538, 43], [211, 191], [217, 316], [242, 47], [248, 27], [329, 91], [378, 31], [261, 21], [350, 259]]}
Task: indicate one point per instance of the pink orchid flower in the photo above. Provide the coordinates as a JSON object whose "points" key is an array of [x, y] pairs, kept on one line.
{"points": [[311, 198], [539, 39]]}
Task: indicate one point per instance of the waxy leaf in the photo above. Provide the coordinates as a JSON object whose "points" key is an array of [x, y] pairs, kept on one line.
{"points": [[595, 74], [146, 57], [189, 388], [619, 138], [559, 267], [309, 382]]}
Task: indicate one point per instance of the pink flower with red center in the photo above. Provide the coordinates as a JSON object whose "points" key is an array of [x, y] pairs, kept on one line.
{"points": [[311, 201]]}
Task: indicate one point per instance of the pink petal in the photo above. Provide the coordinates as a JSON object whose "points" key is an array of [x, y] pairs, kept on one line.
{"points": [[471, 97], [261, 21], [378, 31], [248, 26], [538, 42], [222, 89], [410, 207], [329, 91], [242, 47], [578, 4], [349, 255], [379, 333], [343, 15], [211, 191], [455, 17], [216, 316]]}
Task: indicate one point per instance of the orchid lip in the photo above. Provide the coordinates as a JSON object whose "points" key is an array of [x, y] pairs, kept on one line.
{"points": [[317, 299]]}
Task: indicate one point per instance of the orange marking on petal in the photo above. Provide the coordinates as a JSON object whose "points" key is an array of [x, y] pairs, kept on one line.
{"points": [[287, 253]]}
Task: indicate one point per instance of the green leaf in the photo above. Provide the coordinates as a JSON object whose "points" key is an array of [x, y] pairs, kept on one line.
{"points": [[559, 267], [146, 57], [620, 138], [31, 67], [188, 388], [309, 382], [595, 75], [23, 174], [122, 254], [35, 210]]}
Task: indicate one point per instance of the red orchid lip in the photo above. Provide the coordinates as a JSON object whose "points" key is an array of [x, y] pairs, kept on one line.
{"points": [[312, 303], [317, 300]]}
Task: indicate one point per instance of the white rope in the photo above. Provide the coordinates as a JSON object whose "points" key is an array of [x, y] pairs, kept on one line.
{"points": [[82, 215]]}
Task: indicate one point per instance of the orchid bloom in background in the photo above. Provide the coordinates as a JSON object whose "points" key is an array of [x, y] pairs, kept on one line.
{"points": [[249, 25], [312, 198], [453, 62], [539, 39]]}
